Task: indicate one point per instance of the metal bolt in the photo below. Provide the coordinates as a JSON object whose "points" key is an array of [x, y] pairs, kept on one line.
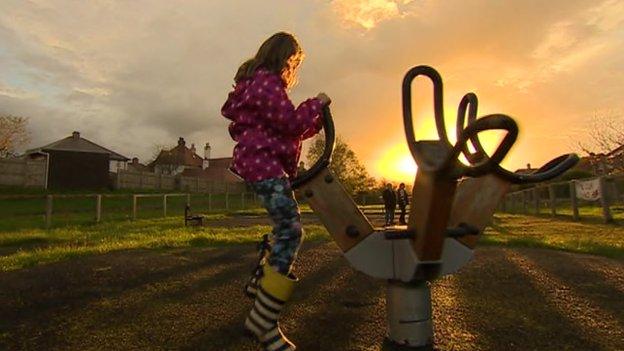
{"points": [[352, 231]]}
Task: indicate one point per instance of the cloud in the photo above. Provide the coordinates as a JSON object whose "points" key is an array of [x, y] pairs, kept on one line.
{"points": [[131, 74]]}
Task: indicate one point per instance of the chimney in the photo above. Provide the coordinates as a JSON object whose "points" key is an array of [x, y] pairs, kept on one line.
{"points": [[206, 162], [76, 135], [181, 142], [135, 160], [193, 148], [528, 166]]}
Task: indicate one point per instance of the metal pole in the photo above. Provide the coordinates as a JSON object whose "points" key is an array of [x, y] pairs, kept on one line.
{"points": [[408, 312]]}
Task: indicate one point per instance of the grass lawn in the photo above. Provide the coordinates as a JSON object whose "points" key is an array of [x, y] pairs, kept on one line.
{"points": [[559, 234], [28, 247], [31, 246]]}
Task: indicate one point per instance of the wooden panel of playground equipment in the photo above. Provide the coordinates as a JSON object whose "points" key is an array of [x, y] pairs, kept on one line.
{"points": [[336, 210], [429, 213], [475, 202]]}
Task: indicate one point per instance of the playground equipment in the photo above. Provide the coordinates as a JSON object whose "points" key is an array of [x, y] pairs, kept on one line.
{"points": [[451, 205]]}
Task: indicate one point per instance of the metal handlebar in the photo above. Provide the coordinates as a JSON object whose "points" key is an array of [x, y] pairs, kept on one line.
{"points": [[480, 162], [550, 170], [325, 159]]}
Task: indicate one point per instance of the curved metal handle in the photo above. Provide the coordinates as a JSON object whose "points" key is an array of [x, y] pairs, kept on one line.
{"points": [[438, 105], [550, 170], [470, 102], [485, 164], [325, 159]]}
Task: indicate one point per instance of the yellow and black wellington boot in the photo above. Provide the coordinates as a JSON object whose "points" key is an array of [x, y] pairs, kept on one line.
{"points": [[274, 290], [264, 249]]}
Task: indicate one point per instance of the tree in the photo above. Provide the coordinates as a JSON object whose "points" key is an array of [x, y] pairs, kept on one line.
{"points": [[606, 133], [605, 145], [345, 165], [13, 134]]}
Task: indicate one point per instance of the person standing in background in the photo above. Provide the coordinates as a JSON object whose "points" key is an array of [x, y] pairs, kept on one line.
{"points": [[390, 200], [403, 201]]}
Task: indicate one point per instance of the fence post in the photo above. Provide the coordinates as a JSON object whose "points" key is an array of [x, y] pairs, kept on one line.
{"points": [[551, 195], [165, 205], [524, 202], [118, 179], [536, 199], [616, 192], [606, 212], [573, 201], [188, 199], [98, 208], [134, 207], [48, 211]]}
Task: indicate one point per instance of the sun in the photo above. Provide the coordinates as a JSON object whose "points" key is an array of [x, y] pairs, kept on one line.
{"points": [[396, 164]]}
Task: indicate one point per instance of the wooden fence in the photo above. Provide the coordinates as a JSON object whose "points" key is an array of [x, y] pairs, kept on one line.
{"points": [[146, 180], [558, 197], [90, 207], [23, 173]]}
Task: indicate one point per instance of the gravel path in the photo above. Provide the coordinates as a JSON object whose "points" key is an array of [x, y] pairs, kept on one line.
{"points": [[506, 299]]}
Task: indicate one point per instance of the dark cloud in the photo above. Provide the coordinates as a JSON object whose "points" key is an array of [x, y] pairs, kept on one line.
{"points": [[137, 73]]}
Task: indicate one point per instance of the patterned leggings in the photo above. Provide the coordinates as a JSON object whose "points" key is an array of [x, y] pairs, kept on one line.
{"points": [[277, 197]]}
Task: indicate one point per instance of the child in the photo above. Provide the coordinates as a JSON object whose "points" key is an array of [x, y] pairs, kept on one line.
{"points": [[268, 130]]}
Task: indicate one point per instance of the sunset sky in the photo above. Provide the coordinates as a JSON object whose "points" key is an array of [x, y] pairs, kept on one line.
{"points": [[132, 74]]}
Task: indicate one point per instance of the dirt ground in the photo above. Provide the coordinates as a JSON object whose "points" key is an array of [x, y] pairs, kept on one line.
{"points": [[506, 299]]}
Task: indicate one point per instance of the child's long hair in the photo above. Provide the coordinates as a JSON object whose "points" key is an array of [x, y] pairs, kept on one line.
{"points": [[280, 54]]}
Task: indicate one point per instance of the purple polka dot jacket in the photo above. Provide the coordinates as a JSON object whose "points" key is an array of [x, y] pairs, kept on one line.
{"points": [[267, 127]]}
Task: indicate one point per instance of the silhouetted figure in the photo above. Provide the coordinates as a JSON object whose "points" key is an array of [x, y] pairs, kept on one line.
{"points": [[390, 202], [403, 201]]}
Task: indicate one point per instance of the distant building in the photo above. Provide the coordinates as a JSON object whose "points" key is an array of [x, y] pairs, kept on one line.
{"points": [[136, 166], [185, 161], [178, 159], [77, 163]]}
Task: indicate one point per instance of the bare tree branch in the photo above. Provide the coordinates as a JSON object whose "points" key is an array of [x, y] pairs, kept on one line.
{"points": [[13, 134]]}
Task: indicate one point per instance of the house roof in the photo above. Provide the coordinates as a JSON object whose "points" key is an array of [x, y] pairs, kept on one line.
{"points": [[77, 143], [212, 173], [179, 155]]}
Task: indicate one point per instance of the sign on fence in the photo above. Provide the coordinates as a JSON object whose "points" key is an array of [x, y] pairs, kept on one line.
{"points": [[588, 189]]}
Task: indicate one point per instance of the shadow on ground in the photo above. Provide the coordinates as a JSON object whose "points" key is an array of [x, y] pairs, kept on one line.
{"points": [[506, 299]]}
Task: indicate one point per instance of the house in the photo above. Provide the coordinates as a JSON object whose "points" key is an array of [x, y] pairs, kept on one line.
{"points": [[136, 166], [184, 161], [77, 163], [179, 159]]}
